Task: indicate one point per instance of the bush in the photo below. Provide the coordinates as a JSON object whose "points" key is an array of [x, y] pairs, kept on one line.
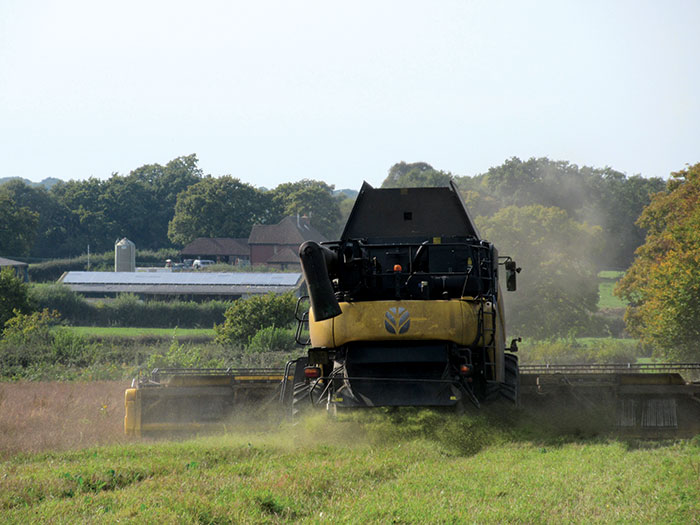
{"points": [[14, 296], [246, 316], [187, 356], [271, 339], [31, 341], [572, 351], [50, 271], [127, 309]]}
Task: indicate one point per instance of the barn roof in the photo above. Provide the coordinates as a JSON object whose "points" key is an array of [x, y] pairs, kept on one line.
{"points": [[9, 262], [289, 231], [217, 246]]}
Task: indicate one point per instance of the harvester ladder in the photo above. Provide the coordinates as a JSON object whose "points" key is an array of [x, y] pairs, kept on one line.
{"points": [[487, 327]]}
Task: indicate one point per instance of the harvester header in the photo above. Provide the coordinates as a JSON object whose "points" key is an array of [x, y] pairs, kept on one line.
{"points": [[407, 310]]}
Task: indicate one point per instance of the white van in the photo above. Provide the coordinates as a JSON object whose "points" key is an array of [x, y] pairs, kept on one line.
{"points": [[201, 263]]}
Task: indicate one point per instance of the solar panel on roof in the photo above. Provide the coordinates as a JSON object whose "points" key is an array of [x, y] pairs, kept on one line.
{"points": [[184, 278]]}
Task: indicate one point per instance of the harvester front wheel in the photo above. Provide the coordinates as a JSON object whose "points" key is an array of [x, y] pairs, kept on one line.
{"points": [[301, 399]]}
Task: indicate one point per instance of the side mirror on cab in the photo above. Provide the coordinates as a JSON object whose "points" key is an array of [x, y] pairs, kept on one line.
{"points": [[512, 271]]}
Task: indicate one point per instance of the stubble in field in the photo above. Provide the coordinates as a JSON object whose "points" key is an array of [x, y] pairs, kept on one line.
{"points": [[41, 416]]}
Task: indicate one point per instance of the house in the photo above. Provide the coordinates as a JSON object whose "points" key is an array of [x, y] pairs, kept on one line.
{"points": [[220, 249], [278, 244], [285, 259]]}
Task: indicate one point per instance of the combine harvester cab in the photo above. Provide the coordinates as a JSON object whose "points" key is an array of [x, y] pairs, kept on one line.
{"points": [[406, 308]]}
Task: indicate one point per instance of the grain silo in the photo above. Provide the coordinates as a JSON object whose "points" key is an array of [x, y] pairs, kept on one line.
{"points": [[125, 256]]}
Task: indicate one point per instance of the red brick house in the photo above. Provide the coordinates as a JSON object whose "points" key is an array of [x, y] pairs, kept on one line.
{"points": [[220, 249], [278, 244]]}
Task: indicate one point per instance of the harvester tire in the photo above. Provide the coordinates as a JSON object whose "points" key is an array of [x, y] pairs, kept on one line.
{"points": [[511, 386], [301, 399]]}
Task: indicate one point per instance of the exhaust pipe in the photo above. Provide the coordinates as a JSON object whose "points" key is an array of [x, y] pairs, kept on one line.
{"points": [[315, 262]]}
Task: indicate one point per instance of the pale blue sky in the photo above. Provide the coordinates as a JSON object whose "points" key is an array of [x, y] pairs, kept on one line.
{"points": [[276, 91]]}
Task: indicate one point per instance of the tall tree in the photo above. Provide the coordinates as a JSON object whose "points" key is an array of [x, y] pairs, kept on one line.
{"points": [[415, 174], [218, 207], [663, 283], [558, 290], [165, 183], [603, 197], [51, 229], [138, 206], [312, 198], [17, 226], [88, 223]]}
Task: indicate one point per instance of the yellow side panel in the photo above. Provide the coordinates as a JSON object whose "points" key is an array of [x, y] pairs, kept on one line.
{"points": [[132, 415], [450, 320]]}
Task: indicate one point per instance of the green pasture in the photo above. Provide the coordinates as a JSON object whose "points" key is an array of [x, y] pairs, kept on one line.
{"points": [[611, 274], [607, 281], [434, 469], [598, 341], [125, 331]]}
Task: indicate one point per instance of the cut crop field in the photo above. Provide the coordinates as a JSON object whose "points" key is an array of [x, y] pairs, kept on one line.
{"points": [[391, 467], [41, 416]]}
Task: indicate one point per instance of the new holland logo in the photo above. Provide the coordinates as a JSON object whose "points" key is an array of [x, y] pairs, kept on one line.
{"points": [[396, 320]]}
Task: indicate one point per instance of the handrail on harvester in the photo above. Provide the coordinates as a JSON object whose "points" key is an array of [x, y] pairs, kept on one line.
{"points": [[217, 371]]}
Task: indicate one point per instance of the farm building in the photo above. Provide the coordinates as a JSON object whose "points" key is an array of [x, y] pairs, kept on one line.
{"points": [[183, 285], [278, 244], [221, 249], [19, 267]]}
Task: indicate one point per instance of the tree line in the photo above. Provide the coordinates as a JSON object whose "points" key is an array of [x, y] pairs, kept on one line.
{"points": [[561, 222], [155, 206], [168, 206]]}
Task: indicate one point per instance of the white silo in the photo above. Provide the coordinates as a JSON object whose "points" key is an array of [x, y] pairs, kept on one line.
{"points": [[125, 256]]}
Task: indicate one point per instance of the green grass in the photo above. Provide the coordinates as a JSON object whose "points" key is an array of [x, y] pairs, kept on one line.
{"points": [[606, 299], [597, 341], [427, 469], [119, 331], [610, 274]]}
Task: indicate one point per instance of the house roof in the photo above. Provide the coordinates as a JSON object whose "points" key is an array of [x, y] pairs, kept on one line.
{"points": [[284, 256], [10, 262], [290, 231], [217, 246]]}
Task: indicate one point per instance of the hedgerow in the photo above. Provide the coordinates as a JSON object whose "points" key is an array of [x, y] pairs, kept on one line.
{"points": [[128, 310]]}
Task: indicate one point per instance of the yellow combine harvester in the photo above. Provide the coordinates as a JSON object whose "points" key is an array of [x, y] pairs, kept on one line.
{"points": [[407, 310]]}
